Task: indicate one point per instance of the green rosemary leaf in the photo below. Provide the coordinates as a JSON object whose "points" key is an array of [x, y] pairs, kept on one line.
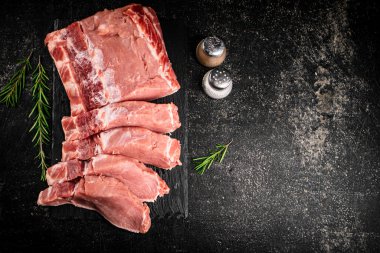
{"points": [[205, 162], [11, 92], [40, 109]]}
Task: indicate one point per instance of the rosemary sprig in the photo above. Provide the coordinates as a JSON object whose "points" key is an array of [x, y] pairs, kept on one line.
{"points": [[11, 92], [41, 112], [204, 163]]}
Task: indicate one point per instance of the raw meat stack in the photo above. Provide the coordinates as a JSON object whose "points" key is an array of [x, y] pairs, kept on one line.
{"points": [[110, 64]]}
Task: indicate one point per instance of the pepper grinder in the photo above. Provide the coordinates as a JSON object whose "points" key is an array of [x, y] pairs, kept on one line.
{"points": [[211, 52], [217, 83]]}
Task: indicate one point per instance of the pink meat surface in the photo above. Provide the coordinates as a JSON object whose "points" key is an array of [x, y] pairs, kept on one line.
{"points": [[139, 143], [106, 195], [142, 181], [112, 56], [162, 118]]}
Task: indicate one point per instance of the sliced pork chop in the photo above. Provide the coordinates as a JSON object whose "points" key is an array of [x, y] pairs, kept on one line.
{"points": [[162, 118], [112, 56], [106, 195], [142, 144], [142, 181]]}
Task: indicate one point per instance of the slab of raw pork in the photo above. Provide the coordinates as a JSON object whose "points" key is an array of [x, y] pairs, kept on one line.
{"points": [[112, 56], [162, 118], [106, 195], [142, 144], [142, 181]]}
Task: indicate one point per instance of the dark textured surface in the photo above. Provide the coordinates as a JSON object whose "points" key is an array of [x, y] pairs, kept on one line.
{"points": [[304, 169]]}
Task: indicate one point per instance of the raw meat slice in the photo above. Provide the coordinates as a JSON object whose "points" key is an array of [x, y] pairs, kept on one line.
{"points": [[142, 181], [142, 144], [106, 195], [162, 118], [58, 195], [112, 56]]}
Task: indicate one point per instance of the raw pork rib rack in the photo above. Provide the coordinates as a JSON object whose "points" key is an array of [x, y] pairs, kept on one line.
{"points": [[112, 56], [110, 65]]}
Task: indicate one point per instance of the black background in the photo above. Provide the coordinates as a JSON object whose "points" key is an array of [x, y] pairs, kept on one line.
{"points": [[303, 171]]}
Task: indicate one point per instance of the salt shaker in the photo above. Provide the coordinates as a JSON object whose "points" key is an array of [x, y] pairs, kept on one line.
{"points": [[211, 51], [217, 83]]}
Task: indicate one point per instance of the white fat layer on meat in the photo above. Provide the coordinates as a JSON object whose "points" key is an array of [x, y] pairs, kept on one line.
{"points": [[95, 56], [108, 79], [106, 76], [108, 113]]}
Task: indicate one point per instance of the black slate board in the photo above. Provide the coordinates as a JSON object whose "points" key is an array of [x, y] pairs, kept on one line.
{"points": [[261, 198], [176, 202]]}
